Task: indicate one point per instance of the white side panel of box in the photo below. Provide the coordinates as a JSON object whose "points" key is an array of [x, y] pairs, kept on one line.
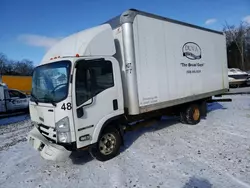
{"points": [[161, 73]]}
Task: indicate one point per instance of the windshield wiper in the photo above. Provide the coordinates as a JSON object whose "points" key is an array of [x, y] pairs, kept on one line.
{"points": [[35, 98], [49, 100], [52, 102]]}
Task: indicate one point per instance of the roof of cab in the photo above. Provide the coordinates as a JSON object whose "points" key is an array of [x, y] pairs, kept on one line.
{"points": [[90, 42]]}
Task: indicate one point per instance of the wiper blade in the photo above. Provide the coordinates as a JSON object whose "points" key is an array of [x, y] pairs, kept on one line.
{"points": [[35, 98], [50, 101]]}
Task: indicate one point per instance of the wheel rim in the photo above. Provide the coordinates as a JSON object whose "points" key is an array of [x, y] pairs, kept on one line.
{"points": [[107, 144], [196, 114]]}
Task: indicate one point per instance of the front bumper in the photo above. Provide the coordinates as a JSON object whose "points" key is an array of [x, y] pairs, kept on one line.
{"points": [[48, 150]]}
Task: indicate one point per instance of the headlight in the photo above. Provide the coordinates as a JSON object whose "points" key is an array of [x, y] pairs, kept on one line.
{"points": [[63, 137], [63, 125], [63, 130]]}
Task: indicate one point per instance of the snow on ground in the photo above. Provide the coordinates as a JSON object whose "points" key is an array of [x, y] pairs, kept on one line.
{"points": [[245, 90], [214, 153]]}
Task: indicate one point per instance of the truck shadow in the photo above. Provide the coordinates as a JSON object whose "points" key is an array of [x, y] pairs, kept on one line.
{"points": [[197, 182], [11, 119], [131, 136], [215, 106], [80, 157], [165, 122], [83, 156]]}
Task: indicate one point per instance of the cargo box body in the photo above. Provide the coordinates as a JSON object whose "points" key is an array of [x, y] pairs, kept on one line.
{"points": [[174, 62]]}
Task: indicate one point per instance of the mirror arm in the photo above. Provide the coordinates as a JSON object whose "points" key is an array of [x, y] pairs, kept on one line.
{"points": [[80, 111]]}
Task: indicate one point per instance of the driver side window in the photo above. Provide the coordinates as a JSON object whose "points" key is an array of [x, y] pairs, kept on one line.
{"points": [[92, 78]]}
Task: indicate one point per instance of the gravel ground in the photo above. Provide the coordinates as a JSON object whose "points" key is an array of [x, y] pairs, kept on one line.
{"points": [[214, 153]]}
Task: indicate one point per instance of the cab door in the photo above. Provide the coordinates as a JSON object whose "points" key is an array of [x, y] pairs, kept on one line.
{"points": [[97, 96]]}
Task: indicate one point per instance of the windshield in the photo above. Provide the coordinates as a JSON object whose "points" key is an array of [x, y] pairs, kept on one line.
{"points": [[50, 82]]}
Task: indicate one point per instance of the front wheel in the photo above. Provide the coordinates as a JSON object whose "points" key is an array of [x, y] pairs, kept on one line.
{"points": [[108, 145]]}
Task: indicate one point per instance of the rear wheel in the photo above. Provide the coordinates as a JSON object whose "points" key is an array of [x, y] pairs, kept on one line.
{"points": [[193, 114], [108, 145], [190, 115]]}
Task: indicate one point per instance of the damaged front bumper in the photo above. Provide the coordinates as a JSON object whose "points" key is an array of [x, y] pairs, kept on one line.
{"points": [[48, 150]]}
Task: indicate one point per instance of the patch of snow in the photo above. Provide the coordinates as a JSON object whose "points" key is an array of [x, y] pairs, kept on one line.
{"points": [[12, 134], [240, 90], [214, 153]]}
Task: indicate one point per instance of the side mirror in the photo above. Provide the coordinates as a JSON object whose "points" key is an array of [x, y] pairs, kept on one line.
{"points": [[80, 112]]}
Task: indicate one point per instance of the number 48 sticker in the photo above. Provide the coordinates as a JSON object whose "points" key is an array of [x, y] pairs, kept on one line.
{"points": [[67, 106]]}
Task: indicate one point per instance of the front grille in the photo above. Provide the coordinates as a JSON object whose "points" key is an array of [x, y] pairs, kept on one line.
{"points": [[48, 132], [49, 139]]}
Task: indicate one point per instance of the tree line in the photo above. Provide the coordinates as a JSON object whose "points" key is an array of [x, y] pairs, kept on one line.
{"points": [[238, 45], [11, 67]]}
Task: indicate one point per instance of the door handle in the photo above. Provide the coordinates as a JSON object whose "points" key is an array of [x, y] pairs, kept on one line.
{"points": [[115, 104]]}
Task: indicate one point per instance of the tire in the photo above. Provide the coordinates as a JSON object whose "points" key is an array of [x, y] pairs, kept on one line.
{"points": [[193, 114], [108, 145]]}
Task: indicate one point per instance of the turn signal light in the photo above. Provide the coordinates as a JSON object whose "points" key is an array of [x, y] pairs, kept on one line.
{"points": [[85, 137]]}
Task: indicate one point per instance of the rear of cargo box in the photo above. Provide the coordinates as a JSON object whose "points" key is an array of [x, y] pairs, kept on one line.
{"points": [[176, 63]]}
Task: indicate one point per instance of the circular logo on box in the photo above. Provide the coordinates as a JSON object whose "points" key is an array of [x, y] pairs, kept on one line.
{"points": [[191, 51]]}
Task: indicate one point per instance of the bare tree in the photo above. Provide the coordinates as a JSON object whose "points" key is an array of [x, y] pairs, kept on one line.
{"points": [[11, 67], [239, 37], [24, 67], [3, 60]]}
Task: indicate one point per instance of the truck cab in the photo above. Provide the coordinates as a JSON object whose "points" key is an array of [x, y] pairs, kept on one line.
{"points": [[75, 91]]}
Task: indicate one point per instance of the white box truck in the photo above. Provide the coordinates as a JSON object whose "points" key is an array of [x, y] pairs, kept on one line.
{"points": [[138, 66]]}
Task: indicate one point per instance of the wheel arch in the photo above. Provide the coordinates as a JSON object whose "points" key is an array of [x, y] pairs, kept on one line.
{"points": [[116, 120]]}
